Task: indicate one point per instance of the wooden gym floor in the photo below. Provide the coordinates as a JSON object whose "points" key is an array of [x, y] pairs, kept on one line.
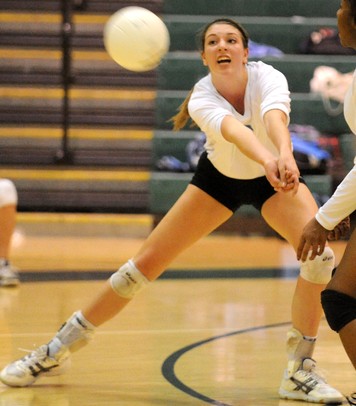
{"points": [[212, 331]]}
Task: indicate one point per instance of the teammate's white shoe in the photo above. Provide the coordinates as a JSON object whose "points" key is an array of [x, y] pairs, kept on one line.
{"points": [[8, 275], [305, 384], [27, 370]]}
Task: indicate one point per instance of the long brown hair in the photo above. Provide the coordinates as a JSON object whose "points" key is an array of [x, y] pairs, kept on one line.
{"points": [[181, 119]]}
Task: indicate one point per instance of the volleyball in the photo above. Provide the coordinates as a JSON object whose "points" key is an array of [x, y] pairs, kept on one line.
{"points": [[136, 38]]}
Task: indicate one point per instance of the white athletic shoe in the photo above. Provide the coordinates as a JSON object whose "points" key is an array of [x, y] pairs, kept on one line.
{"points": [[8, 275], [305, 384], [27, 370]]}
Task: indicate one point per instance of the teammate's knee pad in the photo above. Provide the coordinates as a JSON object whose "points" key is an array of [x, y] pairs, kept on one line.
{"points": [[128, 280], [319, 269], [339, 308], [8, 193]]}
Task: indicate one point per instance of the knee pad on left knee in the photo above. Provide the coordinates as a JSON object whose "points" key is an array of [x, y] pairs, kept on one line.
{"points": [[319, 270], [8, 193], [128, 280], [339, 308]]}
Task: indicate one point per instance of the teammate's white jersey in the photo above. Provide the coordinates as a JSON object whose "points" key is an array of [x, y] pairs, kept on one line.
{"points": [[343, 201]]}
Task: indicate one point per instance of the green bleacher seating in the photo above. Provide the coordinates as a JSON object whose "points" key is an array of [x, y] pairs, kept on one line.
{"points": [[253, 7], [285, 33], [181, 70], [348, 149], [170, 143]]}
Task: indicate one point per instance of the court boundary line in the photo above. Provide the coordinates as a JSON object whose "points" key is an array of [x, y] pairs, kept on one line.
{"points": [[168, 365], [184, 274]]}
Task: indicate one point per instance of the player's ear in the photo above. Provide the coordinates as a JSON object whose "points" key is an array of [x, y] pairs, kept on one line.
{"points": [[202, 54], [245, 58]]}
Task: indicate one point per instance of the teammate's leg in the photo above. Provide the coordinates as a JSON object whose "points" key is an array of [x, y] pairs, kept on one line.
{"points": [[8, 211], [339, 299]]}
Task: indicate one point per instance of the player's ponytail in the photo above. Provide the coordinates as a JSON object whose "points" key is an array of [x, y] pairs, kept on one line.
{"points": [[181, 119]]}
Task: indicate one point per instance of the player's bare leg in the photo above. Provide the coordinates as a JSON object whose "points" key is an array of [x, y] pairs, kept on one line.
{"points": [[194, 216], [288, 214]]}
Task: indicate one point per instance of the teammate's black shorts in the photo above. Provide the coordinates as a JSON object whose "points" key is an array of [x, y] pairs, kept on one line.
{"points": [[230, 192]]}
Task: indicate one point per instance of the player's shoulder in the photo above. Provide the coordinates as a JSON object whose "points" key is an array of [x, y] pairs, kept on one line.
{"points": [[204, 83], [203, 88], [262, 72], [259, 67]]}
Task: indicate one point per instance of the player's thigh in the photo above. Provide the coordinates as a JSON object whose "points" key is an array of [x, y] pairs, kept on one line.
{"points": [[344, 279], [193, 216], [288, 214]]}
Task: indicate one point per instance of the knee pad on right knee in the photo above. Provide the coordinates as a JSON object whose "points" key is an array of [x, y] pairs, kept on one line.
{"points": [[128, 280], [339, 308], [8, 193], [319, 269]]}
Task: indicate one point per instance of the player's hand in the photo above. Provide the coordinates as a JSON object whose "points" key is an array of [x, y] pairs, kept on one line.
{"points": [[341, 230], [289, 173], [292, 182], [313, 239], [273, 175]]}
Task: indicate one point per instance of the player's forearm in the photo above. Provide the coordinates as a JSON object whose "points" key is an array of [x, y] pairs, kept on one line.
{"points": [[276, 126], [245, 140]]}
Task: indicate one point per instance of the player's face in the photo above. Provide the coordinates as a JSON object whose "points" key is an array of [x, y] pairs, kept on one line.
{"points": [[346, 25], [223, 47]]}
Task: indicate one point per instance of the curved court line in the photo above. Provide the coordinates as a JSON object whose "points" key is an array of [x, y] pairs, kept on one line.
{"points": [[169, 364]]}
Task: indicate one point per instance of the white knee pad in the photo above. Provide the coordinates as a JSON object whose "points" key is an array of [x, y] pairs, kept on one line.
{"points": [[8, 193], [128, 280], [319, 269]]}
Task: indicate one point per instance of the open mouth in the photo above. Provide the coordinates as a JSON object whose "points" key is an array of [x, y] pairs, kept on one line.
{"points": [[224, 59]]}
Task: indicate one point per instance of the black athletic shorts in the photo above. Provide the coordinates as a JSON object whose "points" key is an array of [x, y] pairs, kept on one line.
{"points": [[230, 192]]}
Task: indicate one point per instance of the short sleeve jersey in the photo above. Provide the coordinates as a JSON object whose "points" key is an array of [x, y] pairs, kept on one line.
{"points": [[266, 89], [343, 201]]}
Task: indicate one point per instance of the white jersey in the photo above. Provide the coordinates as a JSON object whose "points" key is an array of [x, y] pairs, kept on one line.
{"points": [[343, 202], [266, 89]]}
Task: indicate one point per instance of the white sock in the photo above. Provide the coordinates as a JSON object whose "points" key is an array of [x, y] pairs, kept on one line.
{"points": [[75, 333]]}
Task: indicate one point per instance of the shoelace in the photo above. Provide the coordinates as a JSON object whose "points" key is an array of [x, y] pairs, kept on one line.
{"points": [[351, 399], [32, 358], [317, 377], [317, 373], [310, 381]]}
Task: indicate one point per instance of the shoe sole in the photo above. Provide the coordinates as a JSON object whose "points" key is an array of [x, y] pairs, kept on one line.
{"points": [[16, 385], [303, 396], [62, 369], [9, 283]]}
